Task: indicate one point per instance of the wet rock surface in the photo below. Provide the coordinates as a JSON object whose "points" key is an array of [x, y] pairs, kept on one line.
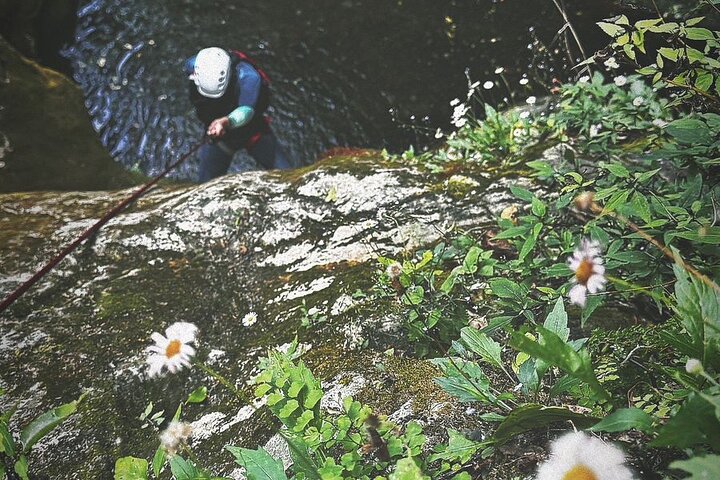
{"points": [[46, 141], [262, 242]]}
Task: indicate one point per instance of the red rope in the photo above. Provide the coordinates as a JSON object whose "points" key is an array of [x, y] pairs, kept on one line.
{"points": [[91, 231]]}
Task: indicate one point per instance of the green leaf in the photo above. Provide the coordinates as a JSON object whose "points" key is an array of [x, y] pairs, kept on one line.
{"points": [[158, 461], [43, 424], [131, 468], [504, 288], [512, 232], [640, 207], [312, 397], [302, 460], [259, 464], [459, 449], [471, 259], [690, 131], [482, 345], [198, 395], [414, 295], [611, 29], [695, 423], [625, 419], [407, 469], [184, 470], [617, 170], [288, 409], [530, 416], [21, 468], [697, 33], [7, 443], [522, 194], [700, 468], [618, 199], [538, 208], [530, 242], [557, 321], [554, 351]]}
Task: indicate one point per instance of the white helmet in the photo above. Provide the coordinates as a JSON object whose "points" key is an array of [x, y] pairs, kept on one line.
{"points": [[212, 72]]}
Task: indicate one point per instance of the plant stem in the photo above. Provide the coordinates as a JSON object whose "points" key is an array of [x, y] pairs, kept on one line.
{"points": [[223, 381], [572, 30], [630, 287]]}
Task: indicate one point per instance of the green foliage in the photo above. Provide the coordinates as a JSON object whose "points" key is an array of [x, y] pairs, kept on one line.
{"points": [[131, 468], [258, 464], [700, 467]]}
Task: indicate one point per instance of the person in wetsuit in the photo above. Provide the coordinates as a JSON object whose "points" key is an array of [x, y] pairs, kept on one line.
{"points": [[230, 95]]}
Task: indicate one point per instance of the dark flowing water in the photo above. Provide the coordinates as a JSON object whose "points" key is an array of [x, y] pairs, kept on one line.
{"points": [[375, 73]]}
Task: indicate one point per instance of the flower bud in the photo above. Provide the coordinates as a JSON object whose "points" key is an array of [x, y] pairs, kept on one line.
{"points": [[693, 366], [585, 201]]}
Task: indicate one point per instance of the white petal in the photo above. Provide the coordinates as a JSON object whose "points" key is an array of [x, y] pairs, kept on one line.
{"points": [[578, 295], [161, 341], [599, 269], [596, 283], [574, 263], [183, 331]]}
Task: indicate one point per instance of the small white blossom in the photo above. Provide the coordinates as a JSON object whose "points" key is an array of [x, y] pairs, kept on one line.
{"points": [[438, 133], [659, 123], [694, 366], [458, 116], [175, 435], [620, 80], [172, 351], [611, 63], [578, 456], [524, 81], [589, 271], [531, 100], [524, 114], [499, 70], [454, 101], [394, 270], [488, 85], [584, 79], [595, 130], [249, 319], [638, 101]]}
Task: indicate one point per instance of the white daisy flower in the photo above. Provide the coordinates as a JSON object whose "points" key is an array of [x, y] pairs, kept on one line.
{"points": [[394, 270], [578, 456], [171, 351], [531, 100], [524, 81], [620, 80], [249, 319], [499, 70], [589, 271], [175, 435], [611, 63], [638, 101], [458, 116], [524, 114], [488, 85], [595, 130], [454, 101]]}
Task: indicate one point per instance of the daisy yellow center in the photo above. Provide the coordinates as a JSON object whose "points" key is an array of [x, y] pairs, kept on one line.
{"points": [[173, 348], [580, 472], [584, 271]]}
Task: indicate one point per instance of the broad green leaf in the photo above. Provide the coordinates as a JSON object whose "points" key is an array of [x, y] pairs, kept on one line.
{"points": [[522, 194], [302, 460], [618, 199], [414, 295], [538, 208], [43, 424], [640, 207], [690, 131], [21, 468], [512, 232], [288, 409], [504, 288], [611, 29], [482, 345], [471, 259], [407, 469], [530, 242], [700, 467], [557, 321], [625, 419], [530, 416], [131, 468], [617, 170], [698, 33], [552, 350], [184, 470], [695, 423], [198, 395], [459, 448], [259, 464]]}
